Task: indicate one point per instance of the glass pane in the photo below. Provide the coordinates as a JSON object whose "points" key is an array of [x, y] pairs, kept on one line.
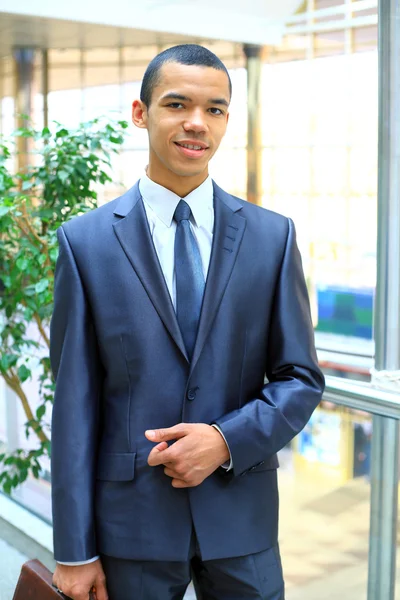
{"points": [[320, 168], [133, 72], [65, 107], [325, 505], [101, 100], [328, 43], [133, 164], [64, 78], [101, 75], [101, 56], [65, 56], [7, 65], [7, 116], [7, 85], [320, 4], [229, 168], [293, 47], [365, 38], [139, 54]]}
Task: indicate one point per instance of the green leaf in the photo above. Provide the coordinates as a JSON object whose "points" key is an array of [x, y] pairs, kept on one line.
{"points": [[4, 210], [28, 314], [63, 175], [36, 471], [41, 285], [40, 411], [27, 185], [7, 487], [23, 373], [8, 360], [53, 254], [22, 263], [23, 475]]}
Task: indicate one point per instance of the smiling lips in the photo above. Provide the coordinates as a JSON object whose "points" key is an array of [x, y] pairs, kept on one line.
{"points": [[192, 150]]}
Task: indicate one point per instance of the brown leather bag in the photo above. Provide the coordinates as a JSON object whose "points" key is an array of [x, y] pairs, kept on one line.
{"points": [[35, 583]]}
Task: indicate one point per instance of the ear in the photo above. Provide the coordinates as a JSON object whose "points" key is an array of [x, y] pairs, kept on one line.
{"points": [[139, 114]]}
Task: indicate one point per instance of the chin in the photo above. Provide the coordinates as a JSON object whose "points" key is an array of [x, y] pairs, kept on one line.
{"points": [[189, 171]]}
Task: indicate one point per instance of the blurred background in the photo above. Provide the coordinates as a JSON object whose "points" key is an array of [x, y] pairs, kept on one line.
{"points": [[303, 141]]}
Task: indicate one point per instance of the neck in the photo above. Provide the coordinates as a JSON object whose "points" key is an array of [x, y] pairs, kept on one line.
{"points": [[181, 186]]}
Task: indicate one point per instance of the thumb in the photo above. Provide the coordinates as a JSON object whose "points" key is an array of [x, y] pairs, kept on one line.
{"points": [[168, 433]]}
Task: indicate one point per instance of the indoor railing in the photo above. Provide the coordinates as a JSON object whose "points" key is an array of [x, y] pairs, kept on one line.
{"points": [[385, 409]]}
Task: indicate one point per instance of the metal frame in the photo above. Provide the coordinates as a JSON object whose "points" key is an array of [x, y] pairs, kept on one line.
{"points": [[362, 396], [385, 408], [308, 21], [300, 17]]}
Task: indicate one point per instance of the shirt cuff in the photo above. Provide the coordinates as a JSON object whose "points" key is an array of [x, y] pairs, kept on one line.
{"points": [[76, 564], [228, 465]]}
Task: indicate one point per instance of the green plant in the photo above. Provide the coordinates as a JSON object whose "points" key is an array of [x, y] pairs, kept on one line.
{"points": [[33, 204]]}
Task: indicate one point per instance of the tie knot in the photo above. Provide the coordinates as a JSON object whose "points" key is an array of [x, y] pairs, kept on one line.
{"points": [[182, 212]]}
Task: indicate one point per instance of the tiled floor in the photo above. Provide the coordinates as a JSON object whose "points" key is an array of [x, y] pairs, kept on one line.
{"points": [[10, 566], [324, 539]]}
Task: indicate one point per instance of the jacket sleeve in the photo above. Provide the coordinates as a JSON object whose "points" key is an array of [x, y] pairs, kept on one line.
{"points": [[265, 424], [75, 420]]}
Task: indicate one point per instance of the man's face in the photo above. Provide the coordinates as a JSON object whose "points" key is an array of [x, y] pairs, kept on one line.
{"points": [[186, 119]]}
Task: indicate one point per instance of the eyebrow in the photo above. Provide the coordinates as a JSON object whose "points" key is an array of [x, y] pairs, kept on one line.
{"points": [[176, 96]]}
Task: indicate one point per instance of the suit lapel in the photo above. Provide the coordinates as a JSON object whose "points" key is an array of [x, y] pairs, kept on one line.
{"points": [[228, 233], [133, 234]]}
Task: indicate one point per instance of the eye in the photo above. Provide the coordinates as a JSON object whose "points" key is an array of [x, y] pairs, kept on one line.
{"points": [[175, 105], [216, 111]]}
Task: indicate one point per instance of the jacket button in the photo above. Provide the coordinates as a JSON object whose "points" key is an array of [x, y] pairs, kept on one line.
{"points": [[191, 394]]}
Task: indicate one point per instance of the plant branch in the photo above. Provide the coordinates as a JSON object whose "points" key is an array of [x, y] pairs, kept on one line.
{"points": [[37, 237], [41, 329], [14, 383]]}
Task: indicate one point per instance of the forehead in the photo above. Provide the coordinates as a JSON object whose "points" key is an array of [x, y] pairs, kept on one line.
{"points": [[192, 79]]}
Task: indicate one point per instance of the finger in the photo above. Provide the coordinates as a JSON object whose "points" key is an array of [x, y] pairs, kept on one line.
{"points": [[159, 457], [160, 447], [180, 483], [169, 433], [172, 473], [100, 591]]}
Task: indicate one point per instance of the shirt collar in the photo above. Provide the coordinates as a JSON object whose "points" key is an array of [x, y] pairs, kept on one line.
{"points": [[164, 202]]}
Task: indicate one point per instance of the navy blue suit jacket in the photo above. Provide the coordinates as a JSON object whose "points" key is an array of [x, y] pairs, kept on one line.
{"points": [[121, 367]]}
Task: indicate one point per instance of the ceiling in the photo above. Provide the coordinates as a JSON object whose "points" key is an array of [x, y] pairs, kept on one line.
{"points": [[90, 23], [39, 32]]}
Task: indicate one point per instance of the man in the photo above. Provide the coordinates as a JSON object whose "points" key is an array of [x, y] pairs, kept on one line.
{"points": [[172, 303]]}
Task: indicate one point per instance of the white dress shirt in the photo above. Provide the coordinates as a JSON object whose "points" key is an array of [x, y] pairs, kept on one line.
{"points": [[160, 205]]}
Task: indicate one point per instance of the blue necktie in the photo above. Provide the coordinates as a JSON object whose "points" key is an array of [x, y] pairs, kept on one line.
{"points": [[189, 277]]}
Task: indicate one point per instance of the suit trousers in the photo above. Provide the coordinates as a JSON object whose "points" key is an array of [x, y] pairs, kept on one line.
{"points": [[250, 577]]}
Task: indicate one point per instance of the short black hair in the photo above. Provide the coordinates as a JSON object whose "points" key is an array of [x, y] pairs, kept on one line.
{"points": [[184, 54]]}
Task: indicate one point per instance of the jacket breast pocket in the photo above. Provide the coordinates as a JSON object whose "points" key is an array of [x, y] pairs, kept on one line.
{"points": [[116, 466]]}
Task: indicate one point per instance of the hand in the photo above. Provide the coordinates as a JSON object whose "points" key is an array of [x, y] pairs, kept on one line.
{"points": [[198, 451], [77, 581]]}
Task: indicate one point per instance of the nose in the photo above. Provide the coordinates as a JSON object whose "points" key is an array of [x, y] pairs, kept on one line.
{"points": [[195, 121]]}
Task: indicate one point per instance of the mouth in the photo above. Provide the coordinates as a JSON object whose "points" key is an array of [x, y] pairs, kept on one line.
{"points": [[192, 150]]}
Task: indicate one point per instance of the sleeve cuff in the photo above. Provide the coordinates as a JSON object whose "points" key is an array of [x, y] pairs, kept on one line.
{"points": [[229, 464], [76, 564]]}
